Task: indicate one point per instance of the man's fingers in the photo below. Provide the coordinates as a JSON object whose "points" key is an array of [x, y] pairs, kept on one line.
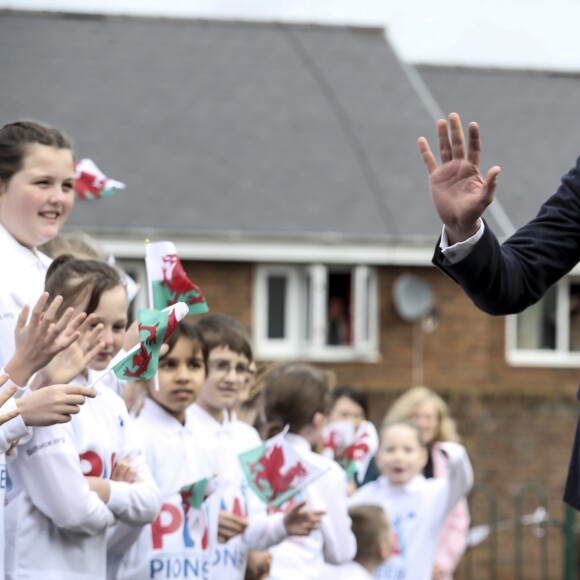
{"points": [[445, 152], [4, 379], [488, 189], [474, 144], [457, 137], [427, 155]]}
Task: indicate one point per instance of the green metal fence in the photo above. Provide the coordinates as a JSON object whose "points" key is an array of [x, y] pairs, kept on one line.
{"points": [[486, 537]]}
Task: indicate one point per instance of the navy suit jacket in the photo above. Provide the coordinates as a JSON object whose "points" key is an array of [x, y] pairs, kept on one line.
{"points": [[507, 278]]}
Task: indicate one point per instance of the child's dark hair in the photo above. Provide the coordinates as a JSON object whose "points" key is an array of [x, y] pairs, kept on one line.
{"points": [[188, 330], [222, 330], [351, 393], [17, 137], [293, 393], [73, 279]]}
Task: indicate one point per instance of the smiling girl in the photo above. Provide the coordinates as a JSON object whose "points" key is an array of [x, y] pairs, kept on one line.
{"points": [[36, 197], [417, 507]]}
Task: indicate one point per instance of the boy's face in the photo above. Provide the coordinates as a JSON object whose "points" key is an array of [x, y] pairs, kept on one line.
{"points": [[227, 371], [400, 456], [181, 374]]}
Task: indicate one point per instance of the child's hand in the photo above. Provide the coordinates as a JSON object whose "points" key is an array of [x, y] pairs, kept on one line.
{"points": [[300, 522], [4, 396], [53, 404], [71, 362], [230, 525], [39, 339], [100, 487], [258, 566], [134, 395], [123, 471]]}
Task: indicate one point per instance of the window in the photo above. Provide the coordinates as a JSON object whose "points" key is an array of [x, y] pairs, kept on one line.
{"points": [[315, 312], [548, 332]]}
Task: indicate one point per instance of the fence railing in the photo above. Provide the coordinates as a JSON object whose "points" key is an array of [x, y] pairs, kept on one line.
{"points": [[518, 548]]}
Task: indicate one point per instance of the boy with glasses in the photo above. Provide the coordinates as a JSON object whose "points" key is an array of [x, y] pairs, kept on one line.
{"points": [[223, 437]]}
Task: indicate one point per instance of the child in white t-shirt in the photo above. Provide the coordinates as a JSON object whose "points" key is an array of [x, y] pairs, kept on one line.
{"points": [[168, 546], [417, 507]]}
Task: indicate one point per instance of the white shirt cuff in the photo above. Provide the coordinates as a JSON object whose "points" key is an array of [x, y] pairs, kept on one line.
{"points": [[460, 250]]}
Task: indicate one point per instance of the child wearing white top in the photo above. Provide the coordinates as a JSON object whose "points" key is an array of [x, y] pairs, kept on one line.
{"points": [[167, 546], [297, 395], [417, 507], [36, 197], [71, 482], [224, 438]]}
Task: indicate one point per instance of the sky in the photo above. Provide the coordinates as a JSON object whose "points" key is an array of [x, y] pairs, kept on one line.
{"points": [[532, 34]]}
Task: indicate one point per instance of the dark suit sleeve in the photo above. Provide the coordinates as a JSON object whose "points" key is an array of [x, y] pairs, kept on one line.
{"points": [[507, 278]]}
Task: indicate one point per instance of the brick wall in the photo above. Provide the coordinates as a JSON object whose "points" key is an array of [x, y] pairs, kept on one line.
{"points": [[517, 423]]}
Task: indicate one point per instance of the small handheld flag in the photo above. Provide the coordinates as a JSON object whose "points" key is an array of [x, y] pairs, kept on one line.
{"points": [[276, 472], [194, 494], [168, 282], [91, 183], [195, 511], [155, 327], [351, 448]]}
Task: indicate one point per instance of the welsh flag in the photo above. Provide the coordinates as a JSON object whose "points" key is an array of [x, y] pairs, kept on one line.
{"points": [[198, 517], [351, 449], [194, 494], [276, 472], [155, 327], [92, 183], [168, 282]]}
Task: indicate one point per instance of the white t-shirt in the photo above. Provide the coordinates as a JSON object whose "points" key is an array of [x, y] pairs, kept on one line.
{"points": [[23, 273], [167, 548], [417, 511], [348, 571], [222, 443], [55, 526], [334, 542]]}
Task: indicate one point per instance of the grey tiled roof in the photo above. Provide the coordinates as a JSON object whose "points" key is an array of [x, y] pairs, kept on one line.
{"points": [[271, 130], [218, 126]]}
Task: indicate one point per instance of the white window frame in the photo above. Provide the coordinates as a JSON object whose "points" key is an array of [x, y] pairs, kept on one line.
{"points": [[560, 357], [296, 345]]}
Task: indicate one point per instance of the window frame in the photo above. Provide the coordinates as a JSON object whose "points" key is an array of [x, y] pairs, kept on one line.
{"points": [[560, 356], [307, 293]]}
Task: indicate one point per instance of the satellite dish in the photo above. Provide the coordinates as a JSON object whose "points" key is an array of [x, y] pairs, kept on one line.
{"points": [[413, 297]]}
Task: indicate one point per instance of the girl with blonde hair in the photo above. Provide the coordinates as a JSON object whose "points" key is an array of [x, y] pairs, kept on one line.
{"points": [[426, 409]]}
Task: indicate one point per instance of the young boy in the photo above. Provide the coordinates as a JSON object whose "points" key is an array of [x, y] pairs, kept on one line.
{"points": [[168, 547], [372, 531], [223, 437]]}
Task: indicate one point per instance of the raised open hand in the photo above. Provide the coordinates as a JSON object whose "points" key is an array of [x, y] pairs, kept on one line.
{"points": [[72, 361], [459, 191], [42, 336]]}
